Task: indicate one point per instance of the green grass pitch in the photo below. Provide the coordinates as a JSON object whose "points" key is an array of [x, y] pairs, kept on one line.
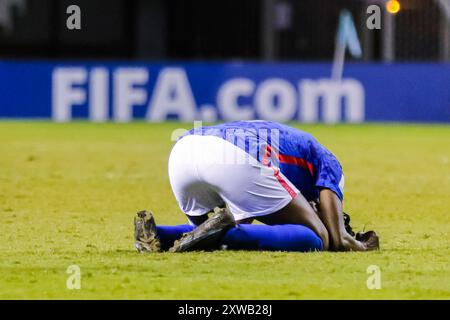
{"points": [[68, 193]]}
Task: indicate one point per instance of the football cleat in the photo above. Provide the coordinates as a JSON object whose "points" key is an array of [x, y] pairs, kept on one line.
{"points": [[145, 233], [208, 235]]}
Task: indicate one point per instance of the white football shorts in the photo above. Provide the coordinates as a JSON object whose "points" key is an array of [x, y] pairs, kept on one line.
{"points": [[207, 171]]}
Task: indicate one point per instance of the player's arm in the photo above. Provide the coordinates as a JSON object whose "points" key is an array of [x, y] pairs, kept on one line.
{"points": [[331, 214]]}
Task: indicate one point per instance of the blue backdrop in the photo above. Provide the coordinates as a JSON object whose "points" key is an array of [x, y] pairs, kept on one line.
{"points": [[229, 91]]}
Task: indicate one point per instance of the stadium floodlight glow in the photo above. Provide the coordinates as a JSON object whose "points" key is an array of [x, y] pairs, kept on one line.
{"points": [[393, 6]]}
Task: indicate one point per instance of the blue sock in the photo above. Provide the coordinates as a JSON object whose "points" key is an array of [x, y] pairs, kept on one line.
{"points": [[287, 237], [168, 234]]}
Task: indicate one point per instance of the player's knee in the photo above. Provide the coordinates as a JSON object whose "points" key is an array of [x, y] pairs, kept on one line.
{"points": [[302, 238], [310, 241]]}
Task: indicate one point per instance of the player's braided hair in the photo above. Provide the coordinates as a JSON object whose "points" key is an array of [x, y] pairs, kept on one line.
{"points": [[315, 205], [348, 227]]}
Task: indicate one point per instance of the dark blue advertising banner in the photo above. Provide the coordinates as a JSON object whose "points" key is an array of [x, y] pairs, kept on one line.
{"points": [[282, 92]]}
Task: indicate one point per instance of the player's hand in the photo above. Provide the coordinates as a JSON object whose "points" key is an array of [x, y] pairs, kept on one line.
{"points": [[370, 240]]}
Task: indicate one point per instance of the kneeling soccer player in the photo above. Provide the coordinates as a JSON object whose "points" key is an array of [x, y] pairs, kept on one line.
{"points": [[254, 170]]}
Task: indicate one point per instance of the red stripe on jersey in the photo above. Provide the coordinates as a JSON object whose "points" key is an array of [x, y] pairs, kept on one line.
{"points": [[285, 159], [302, 163]]}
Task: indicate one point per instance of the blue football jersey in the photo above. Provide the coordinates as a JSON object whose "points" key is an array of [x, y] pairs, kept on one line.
{"points": [[298, 155]]}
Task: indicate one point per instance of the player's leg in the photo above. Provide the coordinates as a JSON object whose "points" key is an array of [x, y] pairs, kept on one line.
{"points": [[291, 234], [152, 238], [243, 237], [254, 191], [219, 230], [285, 237], [167, 235], [298, 212]]}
